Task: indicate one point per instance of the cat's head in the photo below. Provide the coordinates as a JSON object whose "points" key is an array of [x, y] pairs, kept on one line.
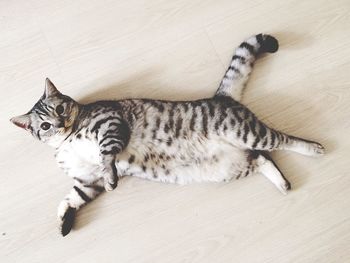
{"points": [[51, 119]]}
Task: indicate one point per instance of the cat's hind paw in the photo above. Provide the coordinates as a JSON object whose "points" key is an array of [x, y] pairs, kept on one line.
{"points": [[318, 149], [314, 149], [284, 187]]}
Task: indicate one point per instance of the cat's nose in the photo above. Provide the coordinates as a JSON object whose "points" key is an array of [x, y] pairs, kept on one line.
{"points": [[61, 124]]}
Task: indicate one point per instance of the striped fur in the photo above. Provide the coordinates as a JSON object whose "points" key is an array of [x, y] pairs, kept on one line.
{"points": [[214, 139], [237, 74]]}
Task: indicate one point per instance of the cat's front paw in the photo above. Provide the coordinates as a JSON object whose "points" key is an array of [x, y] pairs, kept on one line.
{"points": [[110, 185], [66, 216], [110, 181]]}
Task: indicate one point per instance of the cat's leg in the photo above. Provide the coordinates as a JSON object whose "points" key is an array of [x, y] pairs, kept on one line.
{"points": [[80, 195], [237, 75], [276, 140], [109, 171], [265, 165], [113, 136], [248, 132], [261, 163]]}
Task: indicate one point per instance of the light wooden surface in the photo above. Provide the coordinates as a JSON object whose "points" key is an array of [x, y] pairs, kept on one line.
{"points": [[179, 49]]}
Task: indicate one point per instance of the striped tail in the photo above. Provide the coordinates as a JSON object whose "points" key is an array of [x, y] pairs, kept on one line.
{"points": [[242, 62]]}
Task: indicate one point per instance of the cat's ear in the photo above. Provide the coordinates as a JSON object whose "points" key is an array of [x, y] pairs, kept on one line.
{"points": [[50, 89], [22, 121]]}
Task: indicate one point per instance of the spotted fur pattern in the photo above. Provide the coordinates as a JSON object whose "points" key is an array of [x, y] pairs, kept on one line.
{"points": [[213, 139]]}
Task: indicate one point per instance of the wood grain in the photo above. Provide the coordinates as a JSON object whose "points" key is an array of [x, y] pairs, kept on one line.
{"points": [[179, 49]]}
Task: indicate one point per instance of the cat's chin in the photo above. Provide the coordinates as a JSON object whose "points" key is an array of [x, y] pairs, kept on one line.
{"points": [[55, 141]]}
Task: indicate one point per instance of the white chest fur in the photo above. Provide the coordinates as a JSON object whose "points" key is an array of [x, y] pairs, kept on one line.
{"points": [[79, 158]]}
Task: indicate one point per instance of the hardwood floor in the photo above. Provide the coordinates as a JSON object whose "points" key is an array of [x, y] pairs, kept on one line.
{"points": [[102, 49]]}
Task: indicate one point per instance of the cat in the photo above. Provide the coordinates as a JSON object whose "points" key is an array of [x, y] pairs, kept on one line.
{"points": [[213, 139]]}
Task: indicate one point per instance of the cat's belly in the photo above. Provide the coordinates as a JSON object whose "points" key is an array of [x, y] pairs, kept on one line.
{"points": [[184, 161]]}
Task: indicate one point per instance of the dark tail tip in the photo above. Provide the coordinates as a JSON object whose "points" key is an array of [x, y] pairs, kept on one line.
{"points": [[270, 44]]}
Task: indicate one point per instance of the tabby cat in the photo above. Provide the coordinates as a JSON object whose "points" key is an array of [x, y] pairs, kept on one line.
{"points": [[214, 139]]}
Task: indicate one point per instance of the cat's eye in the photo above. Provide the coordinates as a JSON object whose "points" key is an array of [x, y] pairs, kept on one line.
{"points": [[45, 126], [59, 109]]}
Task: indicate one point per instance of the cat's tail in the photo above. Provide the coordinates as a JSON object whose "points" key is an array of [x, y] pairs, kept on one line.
{"points": [[242, 62]]}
